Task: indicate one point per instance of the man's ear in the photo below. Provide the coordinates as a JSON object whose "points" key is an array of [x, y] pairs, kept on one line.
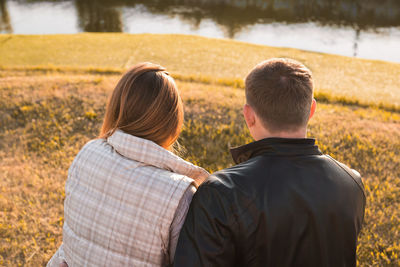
{"points": [[249, 115], [313, 108]]}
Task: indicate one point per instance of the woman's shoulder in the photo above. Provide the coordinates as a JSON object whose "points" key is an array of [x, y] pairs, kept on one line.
{"points": [[92, 150], [95, 146], [164, 177], [94, 143], [99, 151]]}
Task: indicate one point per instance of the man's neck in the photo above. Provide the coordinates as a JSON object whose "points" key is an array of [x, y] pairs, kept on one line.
{"points": [[302, 133]]}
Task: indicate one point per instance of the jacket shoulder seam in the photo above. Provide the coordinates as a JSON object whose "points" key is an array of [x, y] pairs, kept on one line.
{"points": [[357, 180]]}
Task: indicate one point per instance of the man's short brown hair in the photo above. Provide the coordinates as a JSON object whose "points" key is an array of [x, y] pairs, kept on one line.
{"points": [[280, 91]]}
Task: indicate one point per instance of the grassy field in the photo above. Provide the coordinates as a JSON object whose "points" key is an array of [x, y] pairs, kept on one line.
{"points": [[53, 92], [199, 58]]}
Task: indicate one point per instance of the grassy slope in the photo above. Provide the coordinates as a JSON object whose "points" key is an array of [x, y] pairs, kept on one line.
{"points": [[368, 81], [45, 117]]}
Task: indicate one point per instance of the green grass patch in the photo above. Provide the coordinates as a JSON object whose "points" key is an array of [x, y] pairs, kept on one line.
{"points": [[200, 59]]}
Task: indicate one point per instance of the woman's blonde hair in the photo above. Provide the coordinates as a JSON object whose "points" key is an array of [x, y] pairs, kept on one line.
{"points": [[145, 103]]}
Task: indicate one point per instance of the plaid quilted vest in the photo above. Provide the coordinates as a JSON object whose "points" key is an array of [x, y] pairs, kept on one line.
{"points": [[121, 197]]}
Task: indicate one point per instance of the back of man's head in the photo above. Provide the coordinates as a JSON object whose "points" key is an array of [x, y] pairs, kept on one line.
{"points": [[280, 91]]}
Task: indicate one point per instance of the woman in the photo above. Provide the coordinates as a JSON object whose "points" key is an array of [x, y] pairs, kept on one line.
{"points": [[127, 195]]}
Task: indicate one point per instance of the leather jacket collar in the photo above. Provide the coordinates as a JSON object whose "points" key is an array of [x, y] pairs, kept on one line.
{"points": [[275, 146]]}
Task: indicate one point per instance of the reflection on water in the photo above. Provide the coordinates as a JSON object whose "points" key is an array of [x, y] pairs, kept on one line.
{"points": [[5, 25], [103, 15], [99, 16], [235, 14], [361, 28]]}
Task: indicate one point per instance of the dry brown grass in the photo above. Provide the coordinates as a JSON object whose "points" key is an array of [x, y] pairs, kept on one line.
{"points": [[45, 119]]}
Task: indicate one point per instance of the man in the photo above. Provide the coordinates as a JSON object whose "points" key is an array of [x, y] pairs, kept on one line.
{"points": [[284, 203]]}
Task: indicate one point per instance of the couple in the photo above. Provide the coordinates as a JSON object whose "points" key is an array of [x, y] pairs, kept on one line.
{"points": [[131, 202]]}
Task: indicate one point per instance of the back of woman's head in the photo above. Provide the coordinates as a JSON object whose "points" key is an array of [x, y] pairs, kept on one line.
{"points": [[145, 103]]}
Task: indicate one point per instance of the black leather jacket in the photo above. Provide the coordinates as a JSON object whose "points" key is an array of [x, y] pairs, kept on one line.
{"points": [[284, 204]]}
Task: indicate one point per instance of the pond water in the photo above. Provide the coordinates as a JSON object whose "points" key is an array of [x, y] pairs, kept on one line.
{"points": [[358, 28]]}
